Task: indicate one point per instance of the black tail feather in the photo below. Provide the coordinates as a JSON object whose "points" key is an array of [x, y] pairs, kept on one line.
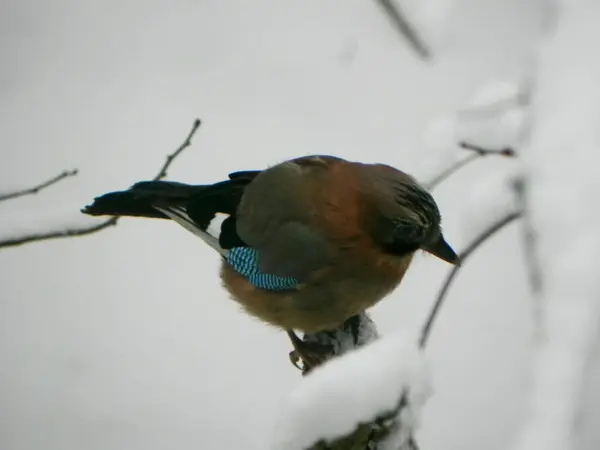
{"points": [[200, 202], [139, 200]]}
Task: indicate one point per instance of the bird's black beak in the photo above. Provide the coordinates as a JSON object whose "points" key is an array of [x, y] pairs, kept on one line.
{"points": [[440, 248]]}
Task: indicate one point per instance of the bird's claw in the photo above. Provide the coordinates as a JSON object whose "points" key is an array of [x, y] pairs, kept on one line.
{"points": [[312, 354]]}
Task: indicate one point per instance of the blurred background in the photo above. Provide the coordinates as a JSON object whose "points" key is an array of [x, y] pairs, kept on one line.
{"points": [[125, 339]]}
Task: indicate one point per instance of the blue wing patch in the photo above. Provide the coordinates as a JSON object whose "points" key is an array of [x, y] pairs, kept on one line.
{"points": [[244, 260]]}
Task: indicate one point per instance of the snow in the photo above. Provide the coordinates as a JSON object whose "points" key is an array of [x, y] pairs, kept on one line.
{"points": [[497, 115], [357, 387], [495, 94], [563, 170]]}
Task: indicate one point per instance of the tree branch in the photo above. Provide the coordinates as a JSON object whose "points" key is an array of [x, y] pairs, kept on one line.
{"points": [[90, 229], [39, 187], [366, 436], [162, 173], [473, 245], [403, 25], [534, 270], [482, 151], [478, 152]]}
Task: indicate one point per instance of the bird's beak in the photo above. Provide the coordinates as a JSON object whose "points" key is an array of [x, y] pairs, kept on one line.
{"points": [[442, 250]]}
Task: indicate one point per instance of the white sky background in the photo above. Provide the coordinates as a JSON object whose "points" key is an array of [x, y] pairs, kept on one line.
{"points": [[125, 340]]}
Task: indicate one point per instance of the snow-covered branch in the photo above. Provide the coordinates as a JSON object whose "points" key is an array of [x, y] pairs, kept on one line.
{"points": [[82, 230], [562, 194], [373, 394]]}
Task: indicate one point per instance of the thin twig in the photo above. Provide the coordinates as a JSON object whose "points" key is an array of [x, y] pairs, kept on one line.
{"points": [[473, 245], [84, 231], [451, 170], [186, 143], [34, 190], [534, 269], [478, 152], [530, 251], [66, 233], [505, 151], [405, 28]]}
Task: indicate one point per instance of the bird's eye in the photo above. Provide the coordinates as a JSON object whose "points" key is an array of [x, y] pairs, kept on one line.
{"points": [[408, 231]]}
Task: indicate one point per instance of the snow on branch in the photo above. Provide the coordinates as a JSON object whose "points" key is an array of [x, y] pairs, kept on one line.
{"points": [[499, 97], [35, 189], [82, 230], [385, 382]]}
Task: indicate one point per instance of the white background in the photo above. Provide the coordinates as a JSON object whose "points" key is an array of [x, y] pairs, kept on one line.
{"points": [[125, 339]]}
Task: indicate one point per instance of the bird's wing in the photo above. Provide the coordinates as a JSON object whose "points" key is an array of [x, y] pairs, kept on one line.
{"points": [[294, 250], [276, 216]]}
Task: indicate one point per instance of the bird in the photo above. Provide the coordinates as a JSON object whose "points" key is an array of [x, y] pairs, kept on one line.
{"points": [[306, 243]]}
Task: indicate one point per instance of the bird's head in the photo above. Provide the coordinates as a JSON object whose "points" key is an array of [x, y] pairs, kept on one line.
{"points": [[415, 217]]}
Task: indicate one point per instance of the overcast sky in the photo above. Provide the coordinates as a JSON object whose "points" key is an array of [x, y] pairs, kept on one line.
{"points": [[125, 339]]}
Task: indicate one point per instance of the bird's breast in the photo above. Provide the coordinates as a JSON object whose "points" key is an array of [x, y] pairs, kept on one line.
{"points": [[326, 300]]}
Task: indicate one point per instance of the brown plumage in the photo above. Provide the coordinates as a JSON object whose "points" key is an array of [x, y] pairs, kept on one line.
{"points": [[344, 232]]}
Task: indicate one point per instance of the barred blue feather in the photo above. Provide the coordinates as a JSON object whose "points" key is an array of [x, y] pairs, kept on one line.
{"points": [[244, 260]]}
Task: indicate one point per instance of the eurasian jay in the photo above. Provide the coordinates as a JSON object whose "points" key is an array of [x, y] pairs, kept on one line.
{"points": [[307, 243]]}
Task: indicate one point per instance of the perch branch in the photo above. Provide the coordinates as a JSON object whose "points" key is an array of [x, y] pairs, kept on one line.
{"points": [[34, 190], [367, 435], [473, 245], [90, 229], [404, 27]]}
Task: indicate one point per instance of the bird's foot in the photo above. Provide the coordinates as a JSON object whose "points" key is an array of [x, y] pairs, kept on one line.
{"points": [[312, 354]]}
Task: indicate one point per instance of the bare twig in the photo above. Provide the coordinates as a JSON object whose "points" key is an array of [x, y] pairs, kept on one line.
{"points": [[39, 187], [482, 151], [431, 185], [405, 28], [534, 270], [478, 152], [84, 231], [530, 250], [65, 233], [473, 245], [186, 143]]}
